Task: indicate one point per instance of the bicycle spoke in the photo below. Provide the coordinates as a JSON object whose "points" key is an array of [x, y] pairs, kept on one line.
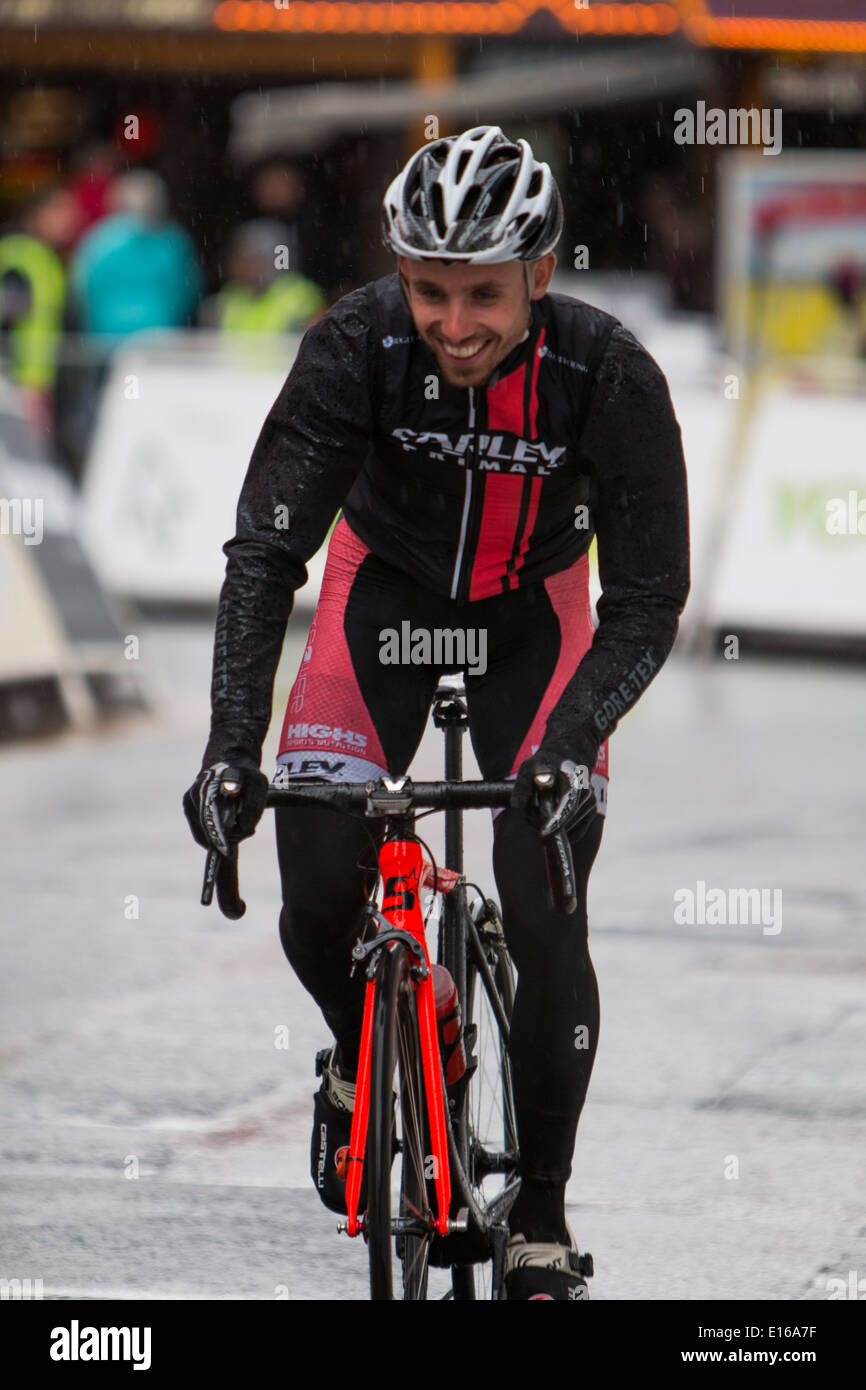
{"points": [[490, 1100]]}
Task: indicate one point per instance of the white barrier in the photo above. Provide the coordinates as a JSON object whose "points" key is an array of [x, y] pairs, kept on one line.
{"points": [[178, 420], [794, 554], [32, 640], [55, 622]]}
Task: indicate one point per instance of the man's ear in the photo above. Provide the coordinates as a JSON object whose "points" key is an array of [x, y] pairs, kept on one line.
{"points": [[543, 283]]}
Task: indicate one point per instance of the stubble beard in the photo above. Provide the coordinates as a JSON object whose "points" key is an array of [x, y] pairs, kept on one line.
{"points": [[471, 375]]}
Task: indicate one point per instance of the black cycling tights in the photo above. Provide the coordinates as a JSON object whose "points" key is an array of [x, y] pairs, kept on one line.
{"points": [[323, 857]]}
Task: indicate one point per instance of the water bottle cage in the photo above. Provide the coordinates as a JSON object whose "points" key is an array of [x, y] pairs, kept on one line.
{"points": [[447, 1049]]}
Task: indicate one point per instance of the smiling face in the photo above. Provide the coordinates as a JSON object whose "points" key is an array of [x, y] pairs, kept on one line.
{"points": [[471, 316]]}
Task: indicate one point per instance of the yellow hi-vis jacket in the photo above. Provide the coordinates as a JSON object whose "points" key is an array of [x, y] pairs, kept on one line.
{"points": [[285, 306], [35, 338]]}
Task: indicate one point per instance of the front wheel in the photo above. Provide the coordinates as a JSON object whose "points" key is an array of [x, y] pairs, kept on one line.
{"points": [[489, 1124], [399, 1223]]}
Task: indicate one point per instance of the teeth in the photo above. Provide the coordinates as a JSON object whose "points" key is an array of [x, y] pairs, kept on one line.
{"points": [[469, 351]]}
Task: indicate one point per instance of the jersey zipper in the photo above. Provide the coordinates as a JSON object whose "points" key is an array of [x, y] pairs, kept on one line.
{"points": [[467, 501]]}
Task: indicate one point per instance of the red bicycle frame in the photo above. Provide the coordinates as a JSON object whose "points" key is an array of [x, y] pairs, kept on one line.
{"points": [[404, 872]]}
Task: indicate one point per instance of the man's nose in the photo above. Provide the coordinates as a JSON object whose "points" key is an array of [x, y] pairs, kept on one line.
{"points": [[455, 324]]}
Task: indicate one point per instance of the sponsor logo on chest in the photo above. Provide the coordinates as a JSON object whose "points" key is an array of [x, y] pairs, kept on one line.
{"points": [[496, 453]]}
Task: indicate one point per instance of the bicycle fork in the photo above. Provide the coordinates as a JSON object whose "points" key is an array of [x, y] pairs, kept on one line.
{"points": [[402, 869]]}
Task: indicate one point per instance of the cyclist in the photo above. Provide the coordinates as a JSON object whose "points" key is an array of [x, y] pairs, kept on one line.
{"points": [[476, 431]]}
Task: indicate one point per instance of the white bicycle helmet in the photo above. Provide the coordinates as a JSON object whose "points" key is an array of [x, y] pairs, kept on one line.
{"points": [[476, 197]]}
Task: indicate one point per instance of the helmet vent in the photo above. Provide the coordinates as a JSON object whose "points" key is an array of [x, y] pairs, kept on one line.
{"points": [[437, 209], [530, 230], [469, 203]]}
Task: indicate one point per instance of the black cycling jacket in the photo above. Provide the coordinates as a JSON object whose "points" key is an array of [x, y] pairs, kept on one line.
{"points": [[472, 491]]}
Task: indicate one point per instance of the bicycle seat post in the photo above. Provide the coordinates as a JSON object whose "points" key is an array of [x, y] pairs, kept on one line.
{"points": [[450, 715]]}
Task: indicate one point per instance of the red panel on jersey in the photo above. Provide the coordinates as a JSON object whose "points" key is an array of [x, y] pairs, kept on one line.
{"points": [[498, 534], [505, 402]]}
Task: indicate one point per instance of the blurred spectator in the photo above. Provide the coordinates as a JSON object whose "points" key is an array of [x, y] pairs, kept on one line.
{"points": [[322, 245], [279, 192], [260, 296], [678, 213], [93, 170], [847, 282], [32, 298], [136, 268]]}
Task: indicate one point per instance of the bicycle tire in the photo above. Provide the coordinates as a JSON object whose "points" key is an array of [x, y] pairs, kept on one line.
{"points": [[488, 1119], [396, 1052]]}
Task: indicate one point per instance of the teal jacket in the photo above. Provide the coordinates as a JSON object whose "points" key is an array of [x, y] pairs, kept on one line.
{"points": [[127, 275]]}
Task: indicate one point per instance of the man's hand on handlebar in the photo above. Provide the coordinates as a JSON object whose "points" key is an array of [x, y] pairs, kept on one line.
{"points": [[555, 795], [224, 805], [561, 801]]}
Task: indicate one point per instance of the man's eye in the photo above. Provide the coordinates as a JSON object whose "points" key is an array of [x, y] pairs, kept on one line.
{"points": [[437, 294]]}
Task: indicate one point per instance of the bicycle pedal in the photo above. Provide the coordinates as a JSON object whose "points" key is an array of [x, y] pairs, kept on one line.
{"points": [[585, 1265]]}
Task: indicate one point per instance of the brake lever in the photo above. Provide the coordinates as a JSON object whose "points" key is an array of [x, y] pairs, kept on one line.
{"points": [[210, 869], [558, 859], [221, 872]]}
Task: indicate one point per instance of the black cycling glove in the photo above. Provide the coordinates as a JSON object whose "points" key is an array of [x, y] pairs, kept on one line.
{"points": [[574, 801], [218, 820]]}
